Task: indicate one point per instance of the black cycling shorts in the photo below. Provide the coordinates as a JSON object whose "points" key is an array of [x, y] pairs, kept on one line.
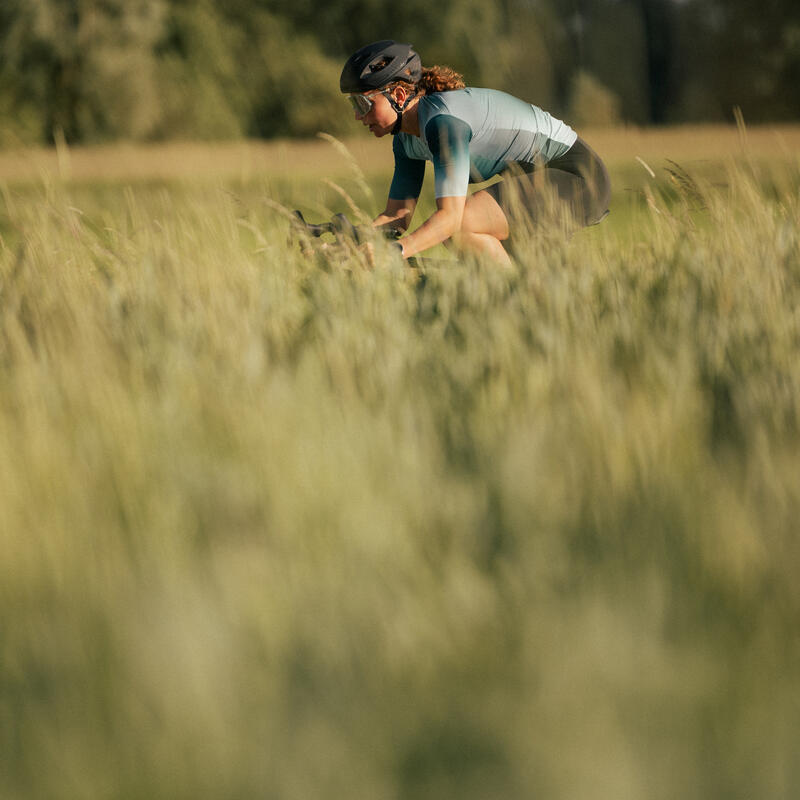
{"points": [[577, 181]]}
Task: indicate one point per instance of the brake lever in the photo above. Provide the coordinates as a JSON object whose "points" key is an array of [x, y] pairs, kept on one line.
{"points": [[315, 230], [342, 226]]}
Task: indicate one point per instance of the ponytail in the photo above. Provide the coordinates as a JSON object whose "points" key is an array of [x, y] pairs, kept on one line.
{"points": [[440, 79], [434, 79]]}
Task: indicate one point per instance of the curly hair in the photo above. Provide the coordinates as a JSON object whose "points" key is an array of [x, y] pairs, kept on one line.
{"points": [[440, 79], [434, 79]]}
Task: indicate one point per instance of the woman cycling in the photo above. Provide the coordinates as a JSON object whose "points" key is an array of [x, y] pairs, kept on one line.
{"points": [[470, 135]]}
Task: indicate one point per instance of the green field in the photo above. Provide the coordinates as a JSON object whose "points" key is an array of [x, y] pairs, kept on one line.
{"points": [[279, 526]]}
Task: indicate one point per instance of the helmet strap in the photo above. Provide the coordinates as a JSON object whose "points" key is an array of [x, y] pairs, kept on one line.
{"points": [[398, 124], [399, 109]]}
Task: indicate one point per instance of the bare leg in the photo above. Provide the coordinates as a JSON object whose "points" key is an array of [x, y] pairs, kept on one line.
{"points": [[483, 227], [483, 243]]}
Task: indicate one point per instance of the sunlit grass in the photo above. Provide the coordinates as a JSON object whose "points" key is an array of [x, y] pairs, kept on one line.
{"points": [[274, 526], [692, 144]]}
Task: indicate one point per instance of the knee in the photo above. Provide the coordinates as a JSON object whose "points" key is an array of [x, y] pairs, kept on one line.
{"points": [[483, 243], [466, 240]]}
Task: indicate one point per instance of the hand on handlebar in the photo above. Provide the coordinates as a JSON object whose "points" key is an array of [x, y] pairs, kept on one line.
{"points": [[340, 225]]}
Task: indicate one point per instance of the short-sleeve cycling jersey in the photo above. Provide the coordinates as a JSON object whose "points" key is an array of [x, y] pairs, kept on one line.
{"points": [[471, 135]]}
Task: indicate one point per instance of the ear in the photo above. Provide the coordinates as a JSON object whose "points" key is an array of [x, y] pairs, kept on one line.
{"points": [[399, 95]]}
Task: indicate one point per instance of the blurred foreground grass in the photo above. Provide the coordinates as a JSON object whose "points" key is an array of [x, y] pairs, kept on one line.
{"points": [[271, 527]]}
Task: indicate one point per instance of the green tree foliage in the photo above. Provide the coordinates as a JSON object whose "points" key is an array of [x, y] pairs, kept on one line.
{"points": [[151, 69], [244, 71], [592, 103], [750, 58], [146, 69], [203, 92], [84, 67]]}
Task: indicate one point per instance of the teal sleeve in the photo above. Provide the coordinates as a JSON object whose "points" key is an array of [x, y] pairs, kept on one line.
{"points": [[448, 139], [408, 174]]}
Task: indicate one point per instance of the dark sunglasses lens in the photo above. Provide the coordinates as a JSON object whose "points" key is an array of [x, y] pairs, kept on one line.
{"points": [[360, 104]]}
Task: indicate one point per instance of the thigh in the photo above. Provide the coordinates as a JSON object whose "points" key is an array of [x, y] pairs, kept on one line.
{"points": [[575, 186], [570, 194], [581, 161], [483, 214], [541, 197]]}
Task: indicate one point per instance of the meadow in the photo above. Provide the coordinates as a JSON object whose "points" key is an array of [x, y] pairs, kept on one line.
{"points": [[279, 525]]}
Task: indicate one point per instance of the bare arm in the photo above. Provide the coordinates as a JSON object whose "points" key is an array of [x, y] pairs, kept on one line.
{"points": [[398, 214], [440, 226]]}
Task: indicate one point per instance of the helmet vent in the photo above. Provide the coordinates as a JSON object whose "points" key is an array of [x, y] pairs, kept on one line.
{"points": [[377, 66]]}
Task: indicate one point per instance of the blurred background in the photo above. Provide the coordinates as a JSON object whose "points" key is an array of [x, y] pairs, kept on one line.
{"points": [[276, 526], [147, 70]]}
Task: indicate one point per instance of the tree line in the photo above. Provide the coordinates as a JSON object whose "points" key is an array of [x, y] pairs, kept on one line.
{"points": [[100, 70]]}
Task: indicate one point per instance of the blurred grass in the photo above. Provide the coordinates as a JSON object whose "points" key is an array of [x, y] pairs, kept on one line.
{"points": [[274, 526]]}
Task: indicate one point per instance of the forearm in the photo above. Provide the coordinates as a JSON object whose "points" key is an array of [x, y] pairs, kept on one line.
{"points": [[438, 228], [399, 219]]}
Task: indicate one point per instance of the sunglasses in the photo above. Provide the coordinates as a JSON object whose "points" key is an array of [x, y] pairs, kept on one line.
{"points": [[361, 102]]}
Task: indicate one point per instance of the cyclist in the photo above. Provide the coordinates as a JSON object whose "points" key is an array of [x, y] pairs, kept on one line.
{"points": [[470, 135]]}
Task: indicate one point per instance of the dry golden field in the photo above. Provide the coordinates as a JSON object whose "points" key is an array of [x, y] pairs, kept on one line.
{"points": [[278, 525], [287, 159]]}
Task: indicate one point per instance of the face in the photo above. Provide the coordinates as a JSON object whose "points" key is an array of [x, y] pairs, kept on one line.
{"points": [[380, 119]]}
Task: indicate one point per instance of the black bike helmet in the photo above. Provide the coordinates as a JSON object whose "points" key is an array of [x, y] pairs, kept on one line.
{"points": [[378, 64]]}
